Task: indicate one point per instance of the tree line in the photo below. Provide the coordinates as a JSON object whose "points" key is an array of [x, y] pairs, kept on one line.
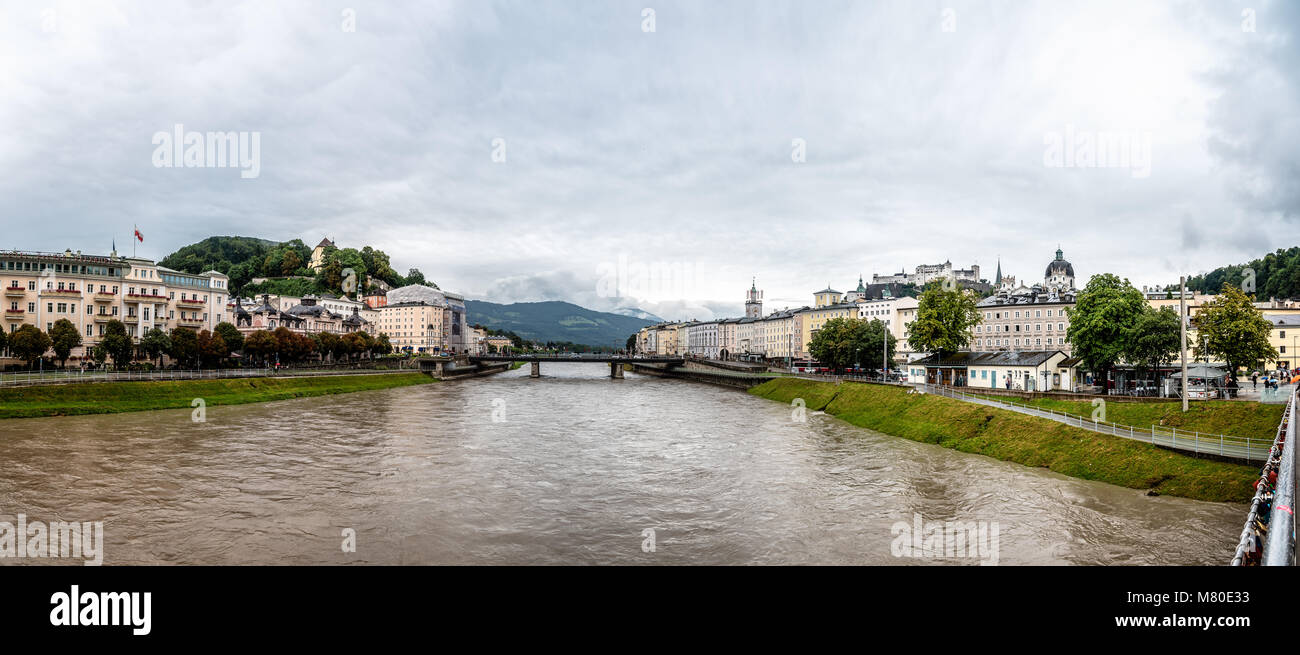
{"points": [[243, 258], [1276, 275], [1112, 323], [190, 348]]}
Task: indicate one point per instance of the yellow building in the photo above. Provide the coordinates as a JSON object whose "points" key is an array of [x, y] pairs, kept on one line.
{"points": [[666, 340], [781, 333], [826, 306], [318, 254], [91, 290], [1285, 338], [413, 327]]}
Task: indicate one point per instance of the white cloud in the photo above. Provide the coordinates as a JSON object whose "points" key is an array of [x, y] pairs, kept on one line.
{"points": [[670, 147]]}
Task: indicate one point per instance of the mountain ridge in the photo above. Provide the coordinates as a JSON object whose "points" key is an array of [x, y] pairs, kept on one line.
{"points": [[555, 320]]}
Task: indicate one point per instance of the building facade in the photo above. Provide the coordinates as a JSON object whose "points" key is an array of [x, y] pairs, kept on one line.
{"points": [[1029, 318], [91, 290]]}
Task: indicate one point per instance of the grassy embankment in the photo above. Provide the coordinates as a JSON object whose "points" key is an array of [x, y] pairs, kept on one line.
{"points": [[1019, 438], [1231, 417], [115, 397]]}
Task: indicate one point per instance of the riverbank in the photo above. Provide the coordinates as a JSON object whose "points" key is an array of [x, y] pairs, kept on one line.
{"points": [[1231, 417], [1018, 438], [116, 397]]}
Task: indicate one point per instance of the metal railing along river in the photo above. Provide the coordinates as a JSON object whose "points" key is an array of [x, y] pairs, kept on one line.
{"points": [[1196, 442], [1268, 537]]}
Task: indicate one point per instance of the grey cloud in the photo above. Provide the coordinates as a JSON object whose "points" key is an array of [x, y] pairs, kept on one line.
{"points": [[674, 146]]}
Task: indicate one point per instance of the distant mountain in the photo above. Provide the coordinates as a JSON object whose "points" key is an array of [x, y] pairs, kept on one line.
{"points": [[555, 321], [638, 313]]}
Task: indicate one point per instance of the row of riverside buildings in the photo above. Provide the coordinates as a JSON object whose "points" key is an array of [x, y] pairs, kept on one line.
{"points": [[90, 290], [1020, 342]]}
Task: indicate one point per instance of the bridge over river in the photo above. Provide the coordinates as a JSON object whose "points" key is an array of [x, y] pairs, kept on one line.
{"points": [[615, 362]]}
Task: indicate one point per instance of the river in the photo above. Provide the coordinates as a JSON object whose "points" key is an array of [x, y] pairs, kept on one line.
{"points": [[570, 468]]}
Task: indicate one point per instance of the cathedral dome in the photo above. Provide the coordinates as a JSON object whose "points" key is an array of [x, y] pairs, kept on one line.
{"points": [[1059, 266]]}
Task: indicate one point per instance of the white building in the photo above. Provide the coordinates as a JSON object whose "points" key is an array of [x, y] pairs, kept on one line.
{"points": [[702, 339], [897, 314]]}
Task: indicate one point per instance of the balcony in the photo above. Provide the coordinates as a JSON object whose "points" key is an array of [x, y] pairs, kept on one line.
{"points": [[192, 301], [190, 322], [131, 318], [15, 314], [144, 297], [61, 292], [105, 296], [15, 291], [104, 318]]}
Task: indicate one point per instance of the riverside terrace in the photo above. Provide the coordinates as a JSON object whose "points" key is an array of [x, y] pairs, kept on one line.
{"points": [[616, 362]]}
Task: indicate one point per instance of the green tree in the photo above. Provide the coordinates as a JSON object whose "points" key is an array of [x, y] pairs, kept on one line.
{"points": [[289, 262], [231, 335], [382, 345], [351, 258], [240, 275], [155, 344], [64, 336], [1102, 321], [880, 345], [29, 344], [944, 319], [1232, 329], [414, 276], [1155, 339], [844, 342], [99, 354], [331, 272], [211, 348], [185, 346], [378, 266], [4, 339], [330, 345], [117, 343], [260, 345]]}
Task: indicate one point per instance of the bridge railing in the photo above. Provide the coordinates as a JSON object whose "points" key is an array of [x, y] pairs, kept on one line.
{"points": [[1207, 443], [1268, 537]]}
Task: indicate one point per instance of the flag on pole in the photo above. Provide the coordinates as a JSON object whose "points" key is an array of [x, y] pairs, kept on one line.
{"points": [[139, 236]]}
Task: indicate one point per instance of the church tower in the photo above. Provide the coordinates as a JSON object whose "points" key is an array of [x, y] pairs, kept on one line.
{"points": [[753, 301]]}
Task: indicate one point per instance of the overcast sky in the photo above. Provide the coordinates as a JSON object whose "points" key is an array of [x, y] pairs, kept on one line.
{"points": [[543, 150]]}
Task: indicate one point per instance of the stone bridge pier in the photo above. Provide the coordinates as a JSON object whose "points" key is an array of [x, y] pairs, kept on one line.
{"points": [[616, 370], [536, 370]]}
